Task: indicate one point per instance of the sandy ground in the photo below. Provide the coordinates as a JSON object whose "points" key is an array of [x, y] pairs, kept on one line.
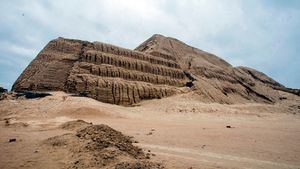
{"points": [[181, 132]]}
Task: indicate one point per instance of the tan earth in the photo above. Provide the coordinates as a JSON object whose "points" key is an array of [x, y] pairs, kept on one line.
{"points": [[164, 104], [179, 131]]}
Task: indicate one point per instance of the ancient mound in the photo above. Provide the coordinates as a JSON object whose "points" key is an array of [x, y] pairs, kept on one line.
{"points": [[214, 79], [157, 68], [74, 125], [99, 146], [104, 72]]}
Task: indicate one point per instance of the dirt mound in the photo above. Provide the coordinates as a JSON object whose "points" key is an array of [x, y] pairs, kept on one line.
{"points": [[108, 137], [85, 110], [75, 125], [100, 146]]}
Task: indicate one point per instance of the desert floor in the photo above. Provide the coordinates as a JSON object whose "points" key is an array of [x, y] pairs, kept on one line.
{"points": [[180, 131]]}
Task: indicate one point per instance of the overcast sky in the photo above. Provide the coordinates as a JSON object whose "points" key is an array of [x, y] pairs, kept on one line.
{"points": [[262, 34]]}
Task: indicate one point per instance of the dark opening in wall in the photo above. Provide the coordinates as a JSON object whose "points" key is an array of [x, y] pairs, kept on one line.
{"points": [[189, 84], [191, 78]]}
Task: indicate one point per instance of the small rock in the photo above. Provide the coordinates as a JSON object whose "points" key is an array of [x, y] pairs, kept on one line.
{"points": [[7, 122], [282, 98], [228, 127], [12, 140], [150, 133]]}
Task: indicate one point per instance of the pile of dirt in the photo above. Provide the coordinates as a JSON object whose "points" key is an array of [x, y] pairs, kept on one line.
{"points": [[100, 146]]}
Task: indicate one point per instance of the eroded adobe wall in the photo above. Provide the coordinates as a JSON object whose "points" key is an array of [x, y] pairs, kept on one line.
{"points": [[50, 69], [104, 72]]}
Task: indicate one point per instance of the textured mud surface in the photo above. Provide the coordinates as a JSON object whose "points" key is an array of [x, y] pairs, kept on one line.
{"points": [[159, 67]]}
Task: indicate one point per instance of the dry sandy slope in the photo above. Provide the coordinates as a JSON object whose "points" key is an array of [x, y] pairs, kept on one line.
{"points": [[181, 132]]}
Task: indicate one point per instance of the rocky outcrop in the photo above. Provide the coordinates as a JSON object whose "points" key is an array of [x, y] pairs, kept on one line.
{"points": [[159, 67]]}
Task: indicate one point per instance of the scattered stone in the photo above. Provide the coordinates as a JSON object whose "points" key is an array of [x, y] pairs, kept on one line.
{"points": [[282, 98]]}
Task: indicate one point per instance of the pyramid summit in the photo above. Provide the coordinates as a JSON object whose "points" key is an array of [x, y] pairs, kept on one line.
{"points": [[159, 67]]}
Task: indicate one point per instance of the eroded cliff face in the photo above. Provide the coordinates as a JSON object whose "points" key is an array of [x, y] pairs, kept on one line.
{"points": [[104, 72], [159, 67]]}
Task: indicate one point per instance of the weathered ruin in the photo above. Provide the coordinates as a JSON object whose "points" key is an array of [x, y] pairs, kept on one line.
{"points": [[159, 67]]}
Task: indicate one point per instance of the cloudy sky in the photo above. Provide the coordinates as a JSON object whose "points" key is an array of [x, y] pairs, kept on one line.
{"points": [[263, 34]]}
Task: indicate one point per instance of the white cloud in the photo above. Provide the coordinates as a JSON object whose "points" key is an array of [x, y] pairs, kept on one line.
{"points": [[243, 32], [20, 51]]}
